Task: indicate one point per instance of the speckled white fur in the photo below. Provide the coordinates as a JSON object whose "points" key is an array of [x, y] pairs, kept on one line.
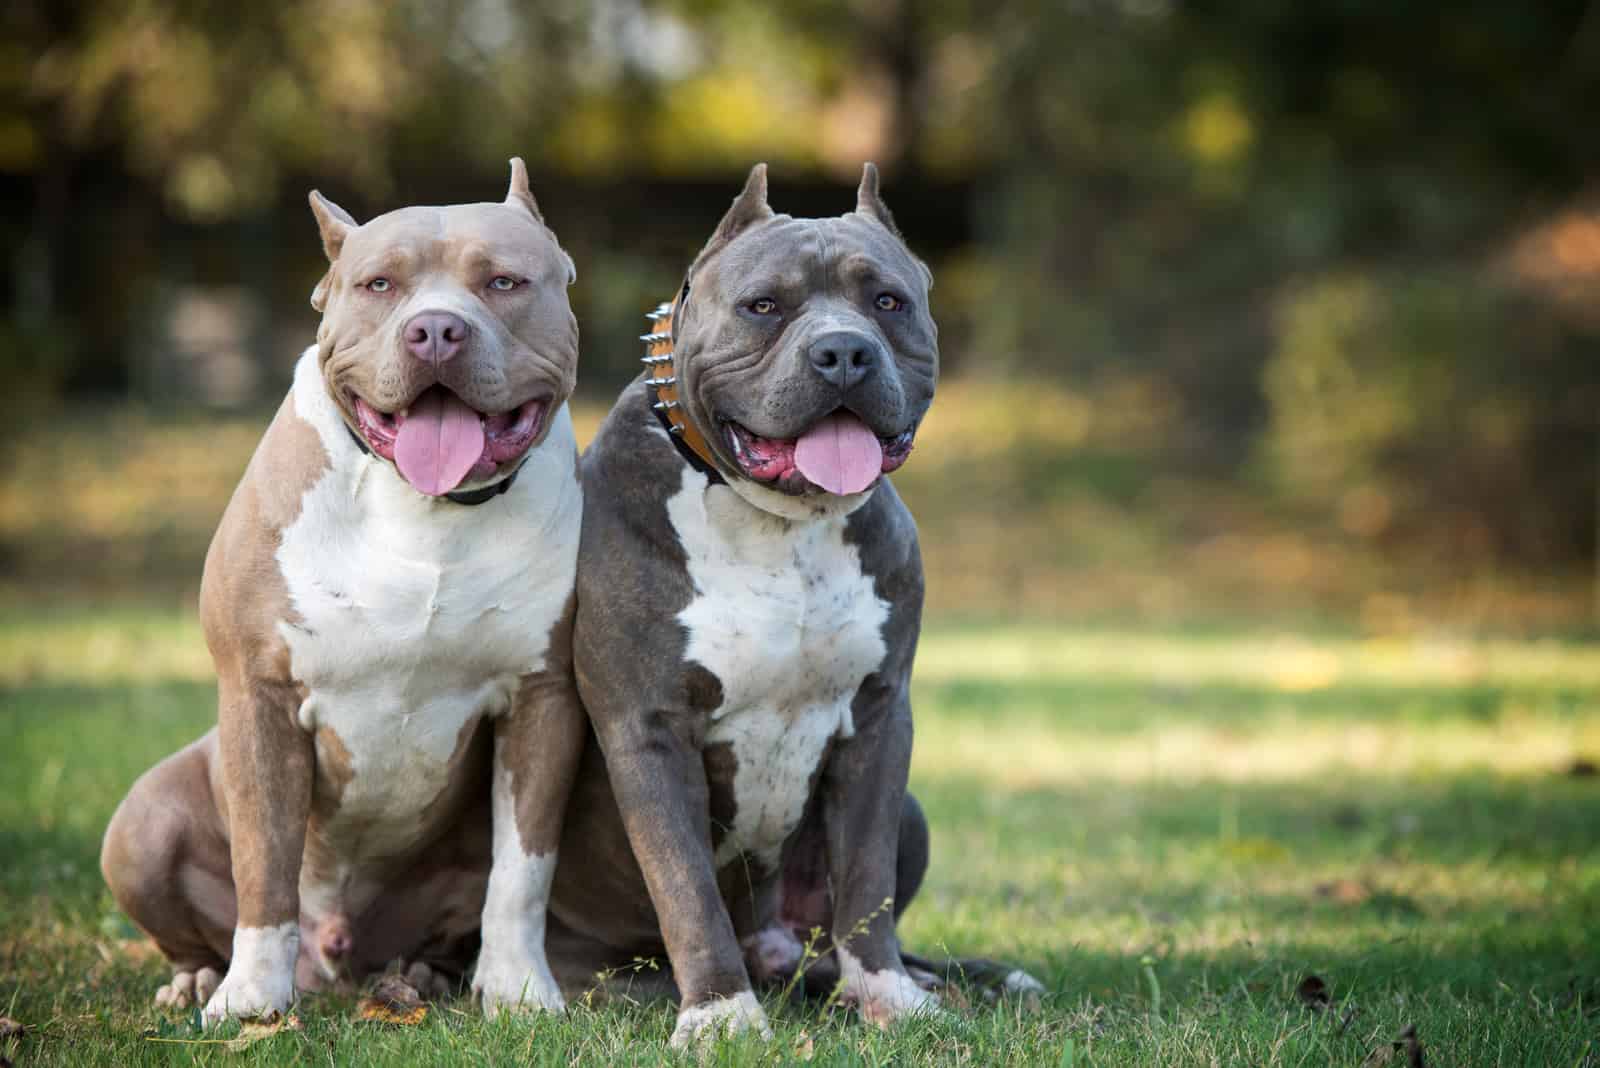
{"points": [[718, 1017], [260, 979], [416, 616], [883, 996], [789, 624], [512, 969]]}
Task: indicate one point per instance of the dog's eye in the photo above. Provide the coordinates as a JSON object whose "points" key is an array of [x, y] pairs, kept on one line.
{"points": [[504, 283], [380, 285], [888, 302], [763, 306]]}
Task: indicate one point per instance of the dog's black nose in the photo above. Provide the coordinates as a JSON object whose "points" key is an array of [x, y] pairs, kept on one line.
{"points": [[843, 357]]}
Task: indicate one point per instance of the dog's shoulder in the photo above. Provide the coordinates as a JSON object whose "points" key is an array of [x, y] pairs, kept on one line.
{"points": [[243, 593], [629, 472]]}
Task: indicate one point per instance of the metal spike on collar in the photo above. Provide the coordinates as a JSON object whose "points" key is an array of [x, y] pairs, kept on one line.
{"points": [[651, 339], [659, 383], [651, 361], [664, 405], [675, 429]]}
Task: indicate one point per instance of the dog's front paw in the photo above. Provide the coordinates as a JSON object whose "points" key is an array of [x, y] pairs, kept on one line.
{"points": [[883, 996], [720, 1016], [515, 981], [260, 979]]}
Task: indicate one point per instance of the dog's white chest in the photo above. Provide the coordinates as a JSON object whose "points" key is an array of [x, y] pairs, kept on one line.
{"points": [[785, 618], [416, 617]]}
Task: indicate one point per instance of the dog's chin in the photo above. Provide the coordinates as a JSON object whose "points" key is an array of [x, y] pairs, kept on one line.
{"points": [[506, 436], [783, 465]]}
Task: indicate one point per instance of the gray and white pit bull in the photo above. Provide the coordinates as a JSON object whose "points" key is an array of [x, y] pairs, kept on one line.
{"points": [[388, 603], [749, 596]]}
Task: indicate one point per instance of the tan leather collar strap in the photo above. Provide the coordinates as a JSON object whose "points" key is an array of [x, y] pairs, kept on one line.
{"points": [[661, 376]]}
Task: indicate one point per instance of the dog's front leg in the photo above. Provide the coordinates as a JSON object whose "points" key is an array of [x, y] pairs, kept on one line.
{"points": [[659, 778], [267, 765], [536, 749], [863, 795]]}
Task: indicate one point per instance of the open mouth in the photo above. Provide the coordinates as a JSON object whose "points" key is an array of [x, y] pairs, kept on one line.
{"points": [[439, 441], [839, 454]]}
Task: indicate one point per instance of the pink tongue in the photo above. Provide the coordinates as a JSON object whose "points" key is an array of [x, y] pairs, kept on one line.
{"points": [[439, 442], [839, 454]]}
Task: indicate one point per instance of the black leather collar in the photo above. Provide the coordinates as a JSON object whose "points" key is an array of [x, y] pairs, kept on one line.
{"points": [[466, 497]]}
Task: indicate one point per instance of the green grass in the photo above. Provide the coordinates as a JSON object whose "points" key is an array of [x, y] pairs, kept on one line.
{"points": [[1171, 830]]}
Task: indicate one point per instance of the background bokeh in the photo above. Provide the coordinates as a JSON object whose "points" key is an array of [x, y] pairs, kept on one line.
{"points": [[1249, 311]]}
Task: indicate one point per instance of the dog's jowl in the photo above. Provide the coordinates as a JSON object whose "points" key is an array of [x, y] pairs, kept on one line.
{"points": [[749, 595], [388, 602]]}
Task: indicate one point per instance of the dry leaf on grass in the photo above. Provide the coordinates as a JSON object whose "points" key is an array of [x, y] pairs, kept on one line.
{"points": [[956, 997], [393, 1001], [1312, 992], [804, 1047], [253, 1031], [1344, 892], [1406, 1042], [138, 949]]}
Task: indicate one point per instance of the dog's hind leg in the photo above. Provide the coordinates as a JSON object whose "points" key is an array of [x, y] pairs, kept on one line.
{"points": [[165, 858], [804, 904]]}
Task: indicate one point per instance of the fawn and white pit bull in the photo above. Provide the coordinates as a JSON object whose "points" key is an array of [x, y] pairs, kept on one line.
{"points": [[388, 603]]}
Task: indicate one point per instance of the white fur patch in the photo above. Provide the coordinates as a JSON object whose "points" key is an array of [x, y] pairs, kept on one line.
{"points": [[789, 624], [772, 953], [512, 968], [883, 996], [810, 506], [721, 1016], [260, 979], [417, 616], [1020, 984]]}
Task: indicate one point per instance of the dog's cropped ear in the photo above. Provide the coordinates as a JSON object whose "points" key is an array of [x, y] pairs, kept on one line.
{"points": [[519, 195], [335, 224], [749, 208], [870, 203]]}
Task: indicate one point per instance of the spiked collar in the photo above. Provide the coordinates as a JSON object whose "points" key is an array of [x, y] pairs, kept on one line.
{"points": [[661, 377], [467, 497]]}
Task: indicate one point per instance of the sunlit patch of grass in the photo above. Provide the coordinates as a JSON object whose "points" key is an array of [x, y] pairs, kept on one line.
{"points": [[1283, 660], [1121, 813]]}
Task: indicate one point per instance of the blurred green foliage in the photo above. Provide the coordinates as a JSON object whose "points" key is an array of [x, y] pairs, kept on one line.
{"points": [[1343, 257]]}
